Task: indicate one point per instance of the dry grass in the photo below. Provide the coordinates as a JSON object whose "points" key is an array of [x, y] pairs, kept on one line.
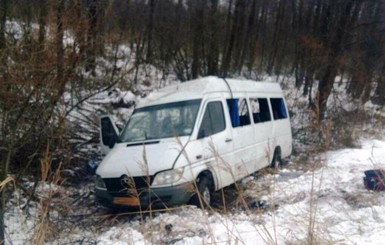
{"points": [[44, 229], [6, 181]]}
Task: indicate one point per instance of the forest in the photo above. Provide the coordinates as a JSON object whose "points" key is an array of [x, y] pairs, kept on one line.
{"points": [[61, 46]]}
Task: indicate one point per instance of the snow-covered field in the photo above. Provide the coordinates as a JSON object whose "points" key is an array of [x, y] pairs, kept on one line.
{"points": [[327, 204]]}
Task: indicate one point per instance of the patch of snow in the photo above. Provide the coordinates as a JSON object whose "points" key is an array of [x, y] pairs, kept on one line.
{"points": [[333, 197]]}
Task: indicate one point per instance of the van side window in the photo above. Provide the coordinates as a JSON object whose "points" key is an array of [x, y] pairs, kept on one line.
{"points": [[260, 110], [239, 112], [244, 116], [278, 107], [213, 120]]}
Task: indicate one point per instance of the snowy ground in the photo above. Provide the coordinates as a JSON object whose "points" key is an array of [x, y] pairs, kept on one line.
{"points": [[328, 204], [317, 198]]}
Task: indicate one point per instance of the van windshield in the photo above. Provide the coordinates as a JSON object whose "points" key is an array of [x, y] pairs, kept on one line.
{"points": [[161, 121]]}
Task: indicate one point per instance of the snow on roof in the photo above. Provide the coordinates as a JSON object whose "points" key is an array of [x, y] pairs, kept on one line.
{"points": [[198, 88]]}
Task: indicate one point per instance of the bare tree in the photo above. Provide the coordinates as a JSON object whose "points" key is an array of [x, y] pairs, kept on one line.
{"points": [[197, 26], [345, 18]]}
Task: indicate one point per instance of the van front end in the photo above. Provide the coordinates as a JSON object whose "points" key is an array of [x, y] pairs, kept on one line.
{"points": [[146, 165], [137, 192], [162, 179]]}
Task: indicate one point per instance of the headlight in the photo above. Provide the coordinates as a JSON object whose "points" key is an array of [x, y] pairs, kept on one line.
{"points": [[99, 183], [168, 177]]}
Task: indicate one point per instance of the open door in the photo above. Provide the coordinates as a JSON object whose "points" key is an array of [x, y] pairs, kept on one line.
{"points": [[108, 134]]}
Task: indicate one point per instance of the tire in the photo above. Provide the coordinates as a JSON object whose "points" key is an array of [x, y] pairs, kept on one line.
{"points": [[277, 159], [203, 196]]}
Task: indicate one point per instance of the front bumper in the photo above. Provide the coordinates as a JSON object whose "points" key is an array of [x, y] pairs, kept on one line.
{"points": [[152, 197]]}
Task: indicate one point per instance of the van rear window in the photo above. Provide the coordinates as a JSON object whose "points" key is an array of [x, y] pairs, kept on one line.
{"points": [[278, 107]]}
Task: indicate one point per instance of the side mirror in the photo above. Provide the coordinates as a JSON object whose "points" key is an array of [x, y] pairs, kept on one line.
{"points": [[108, 134]]}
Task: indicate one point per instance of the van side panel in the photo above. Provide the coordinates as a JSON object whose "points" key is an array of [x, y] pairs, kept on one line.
{"points": [[267, 127], [283, 136], [243, 136], [263, 128], [264, 138]]}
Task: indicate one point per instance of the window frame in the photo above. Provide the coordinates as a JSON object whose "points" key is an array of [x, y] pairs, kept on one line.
{"points": [[278, 108], [235, 110], [265, 114]]}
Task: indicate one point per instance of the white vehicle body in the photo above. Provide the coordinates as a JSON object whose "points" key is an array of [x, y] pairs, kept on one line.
{"points": [[220, 129]]}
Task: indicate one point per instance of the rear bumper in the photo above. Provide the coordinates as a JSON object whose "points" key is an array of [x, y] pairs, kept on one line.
{"points": [[153, 197]]}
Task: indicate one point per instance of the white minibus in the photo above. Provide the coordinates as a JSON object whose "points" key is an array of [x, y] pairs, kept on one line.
{"points": [[185, 141]]}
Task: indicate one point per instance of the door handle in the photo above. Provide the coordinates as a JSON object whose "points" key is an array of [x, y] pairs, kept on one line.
{"points": [[228, 140]]}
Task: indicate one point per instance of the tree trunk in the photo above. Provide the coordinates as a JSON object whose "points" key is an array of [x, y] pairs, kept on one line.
{"points": [[198, 37], [3, 20], [240, 35], [252, 49], [91, 34], [379, 95], [42, 24], [3, 197], [213, 52], [326, 83], [325, 86], [59, 42], [150, 30], [3, 153], [226, 63], [250, 33], [300, 49], [276, 36], [262, 25]]}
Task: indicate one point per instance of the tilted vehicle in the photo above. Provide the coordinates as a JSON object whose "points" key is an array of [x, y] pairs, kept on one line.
{"points": [[188, 140]]}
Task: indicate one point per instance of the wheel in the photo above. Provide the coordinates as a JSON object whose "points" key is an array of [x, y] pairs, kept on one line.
{"points": [[277, 160], [202, 197]]}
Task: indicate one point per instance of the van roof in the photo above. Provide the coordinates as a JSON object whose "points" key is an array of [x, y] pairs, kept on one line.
{"points": [[198, 88]]}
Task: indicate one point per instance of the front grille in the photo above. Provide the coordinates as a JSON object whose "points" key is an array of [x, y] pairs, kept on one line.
{"points": [[120, 185]]}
